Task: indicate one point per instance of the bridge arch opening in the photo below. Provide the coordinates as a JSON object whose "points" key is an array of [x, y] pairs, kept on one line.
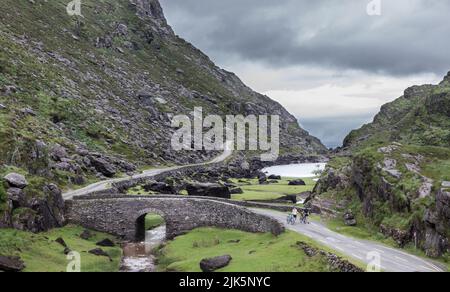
{"points": [[150, 227]]}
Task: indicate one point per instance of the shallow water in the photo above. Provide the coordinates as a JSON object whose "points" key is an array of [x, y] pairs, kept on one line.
{"points": [[303, 170], [137, 257]]}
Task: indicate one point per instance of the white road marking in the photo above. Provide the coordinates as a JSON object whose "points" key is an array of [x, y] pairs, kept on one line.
{"points": [[428, 269], [338, 248], [400, 259], [357, 256]]}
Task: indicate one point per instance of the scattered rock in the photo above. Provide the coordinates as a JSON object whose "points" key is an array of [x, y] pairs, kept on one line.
{"points": [[106, 243], [61, 241], [11, 264], [28, 111], [349, 219], [2, 107], [213, 264], [446, 184], [160, 187], [122, 29], [274, 177], [394, 173], [9, 89], [86, 235], [16, 180], [290, 198], [390, 163], [262, 179], [426, 188], [100, 252], [335, 262], [58, 153], [388, 149], [234, 241], [413, 167], [17, 197], [208, 190], [297, 182], [236, 191], [103, 166]]}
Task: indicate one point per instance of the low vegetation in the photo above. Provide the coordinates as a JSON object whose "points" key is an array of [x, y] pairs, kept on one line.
{"points": [[250, 252], [153, 221], [41, 253], [253, 191]]}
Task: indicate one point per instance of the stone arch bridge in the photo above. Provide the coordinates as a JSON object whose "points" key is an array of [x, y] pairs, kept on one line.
{"points": [[124, 216]]}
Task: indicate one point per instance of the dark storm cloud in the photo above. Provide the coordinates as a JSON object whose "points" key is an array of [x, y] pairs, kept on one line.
{"points": [[410, 37]]}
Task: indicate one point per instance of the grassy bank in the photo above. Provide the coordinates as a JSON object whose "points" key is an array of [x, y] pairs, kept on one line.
{"points": [[250, 252], [253, 191], [41, 253], [152, 221]]}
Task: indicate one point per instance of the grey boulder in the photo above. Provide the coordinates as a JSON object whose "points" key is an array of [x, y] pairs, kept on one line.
{"points": [[16, 180], [297, 182], [11, 264], [214, 264], [208, 190]]}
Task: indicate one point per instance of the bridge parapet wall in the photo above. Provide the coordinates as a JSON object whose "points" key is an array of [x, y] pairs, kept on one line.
{"points": [[119, 216]]}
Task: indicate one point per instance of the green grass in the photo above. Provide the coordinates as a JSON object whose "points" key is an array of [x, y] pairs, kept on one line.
{"points": [[362, 231], [41, 254], [152, 221], [253, 253], [256, 192], [139, 190]]}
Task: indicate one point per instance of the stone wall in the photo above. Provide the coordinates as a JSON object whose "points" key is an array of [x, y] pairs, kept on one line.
{"points": [[119, 216], [112, 194]]}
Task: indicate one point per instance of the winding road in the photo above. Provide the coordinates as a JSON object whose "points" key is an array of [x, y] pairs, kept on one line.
{"points": [[391, 260], [102, 185]]}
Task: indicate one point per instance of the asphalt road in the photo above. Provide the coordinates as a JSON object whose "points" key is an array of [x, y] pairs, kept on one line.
{"points": [[390, 259]]}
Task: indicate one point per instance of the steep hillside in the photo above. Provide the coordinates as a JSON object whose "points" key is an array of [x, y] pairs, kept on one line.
{"points": [[420, 117], [94, 95], [393, 175]]}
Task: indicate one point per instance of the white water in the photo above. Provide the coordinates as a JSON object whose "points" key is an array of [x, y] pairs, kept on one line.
{"points": [[303, 170], [138, 256]]}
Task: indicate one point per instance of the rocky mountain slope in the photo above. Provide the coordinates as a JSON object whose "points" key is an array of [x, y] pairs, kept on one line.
{"points": [[84, 98], [394, 174], [420, 117], [109, 82]]}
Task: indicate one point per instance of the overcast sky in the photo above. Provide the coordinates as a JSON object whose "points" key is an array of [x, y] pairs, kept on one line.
{"points": [[329, 62]]}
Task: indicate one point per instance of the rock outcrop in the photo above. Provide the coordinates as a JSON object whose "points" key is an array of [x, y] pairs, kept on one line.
{"points": [[29, 211]]}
